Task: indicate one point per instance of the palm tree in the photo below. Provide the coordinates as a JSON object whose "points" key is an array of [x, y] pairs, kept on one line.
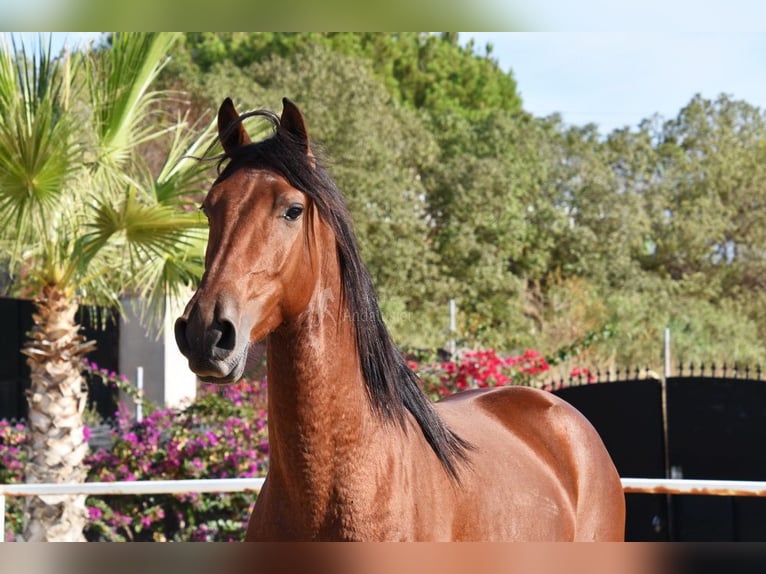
{"points": [[84, 220]]}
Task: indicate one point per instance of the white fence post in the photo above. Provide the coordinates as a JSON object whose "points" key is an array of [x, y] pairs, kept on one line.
{"points": [[452, 328], [667, 353], [140, 399]]}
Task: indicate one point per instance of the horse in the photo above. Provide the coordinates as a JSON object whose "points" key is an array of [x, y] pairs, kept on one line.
{"points": [[357, 450]]}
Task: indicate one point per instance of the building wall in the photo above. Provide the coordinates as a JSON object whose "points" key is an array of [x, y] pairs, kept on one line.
{"points": [[167, 378]]}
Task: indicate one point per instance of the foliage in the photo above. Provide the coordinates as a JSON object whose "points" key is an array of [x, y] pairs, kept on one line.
{"points": [[541, 231], [218, 436], [13, 458], [420, 70], [222, 434], [478, 193], [476, 369], [116, 382], [708, 208], [83, 210]]}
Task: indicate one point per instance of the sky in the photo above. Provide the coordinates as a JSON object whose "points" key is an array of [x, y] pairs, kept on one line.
{"points": [[618, 78]]}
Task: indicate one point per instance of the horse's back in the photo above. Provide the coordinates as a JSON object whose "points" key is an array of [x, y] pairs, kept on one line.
{"points": [[538, 467]]}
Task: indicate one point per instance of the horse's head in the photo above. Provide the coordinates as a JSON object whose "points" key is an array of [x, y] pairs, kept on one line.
{"points": [[258, 272]]}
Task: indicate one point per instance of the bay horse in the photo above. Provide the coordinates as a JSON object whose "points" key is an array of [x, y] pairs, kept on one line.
{"points": [[357, 451]]}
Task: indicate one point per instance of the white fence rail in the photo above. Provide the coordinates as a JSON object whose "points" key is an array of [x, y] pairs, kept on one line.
{"points": [[128, 487], [222, 485], [693, 486]]}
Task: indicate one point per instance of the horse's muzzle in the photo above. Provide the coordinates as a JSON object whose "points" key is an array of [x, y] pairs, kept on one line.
{"points": [[212, 350]]}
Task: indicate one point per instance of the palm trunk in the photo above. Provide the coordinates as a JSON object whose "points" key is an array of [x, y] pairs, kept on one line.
{"points": [[57, 398]]}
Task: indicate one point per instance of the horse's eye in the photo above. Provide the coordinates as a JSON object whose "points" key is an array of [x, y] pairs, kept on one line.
{"points": [[293, 212], [203, 210]]}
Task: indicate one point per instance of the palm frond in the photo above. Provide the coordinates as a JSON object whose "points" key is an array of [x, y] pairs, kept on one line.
{"points": [[38, 143], [145, 230], [170, 278], [184, 171], [78, 206], [120, 88]]}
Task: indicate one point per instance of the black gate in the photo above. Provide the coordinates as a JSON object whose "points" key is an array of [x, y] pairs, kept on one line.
{"points": [[14, 372], [628, 416], [715, 429]]}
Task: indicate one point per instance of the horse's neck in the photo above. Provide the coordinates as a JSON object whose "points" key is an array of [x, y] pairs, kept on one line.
{"points": [[320, 420]]}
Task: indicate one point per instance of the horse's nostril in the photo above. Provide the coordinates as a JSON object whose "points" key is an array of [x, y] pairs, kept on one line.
{"points": [[228, 338], [180, 333]]}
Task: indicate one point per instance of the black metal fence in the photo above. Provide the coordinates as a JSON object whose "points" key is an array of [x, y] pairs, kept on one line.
{"points": [[706, 422]]}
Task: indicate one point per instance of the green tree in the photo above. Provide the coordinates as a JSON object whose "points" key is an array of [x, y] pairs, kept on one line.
{"points": [[655, 226], [708, 207], [478, 192], [705, 242], [84, 221], [433, 72]]}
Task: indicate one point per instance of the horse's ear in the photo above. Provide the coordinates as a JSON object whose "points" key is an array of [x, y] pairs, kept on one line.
{"points": [[292, 122], [231, 132]]}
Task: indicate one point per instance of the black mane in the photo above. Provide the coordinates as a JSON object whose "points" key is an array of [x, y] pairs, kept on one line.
{"points": [[393, 388]]}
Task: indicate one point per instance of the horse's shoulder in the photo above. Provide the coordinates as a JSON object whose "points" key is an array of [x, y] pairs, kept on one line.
{"points": [[507, 396], [517, 403]]}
